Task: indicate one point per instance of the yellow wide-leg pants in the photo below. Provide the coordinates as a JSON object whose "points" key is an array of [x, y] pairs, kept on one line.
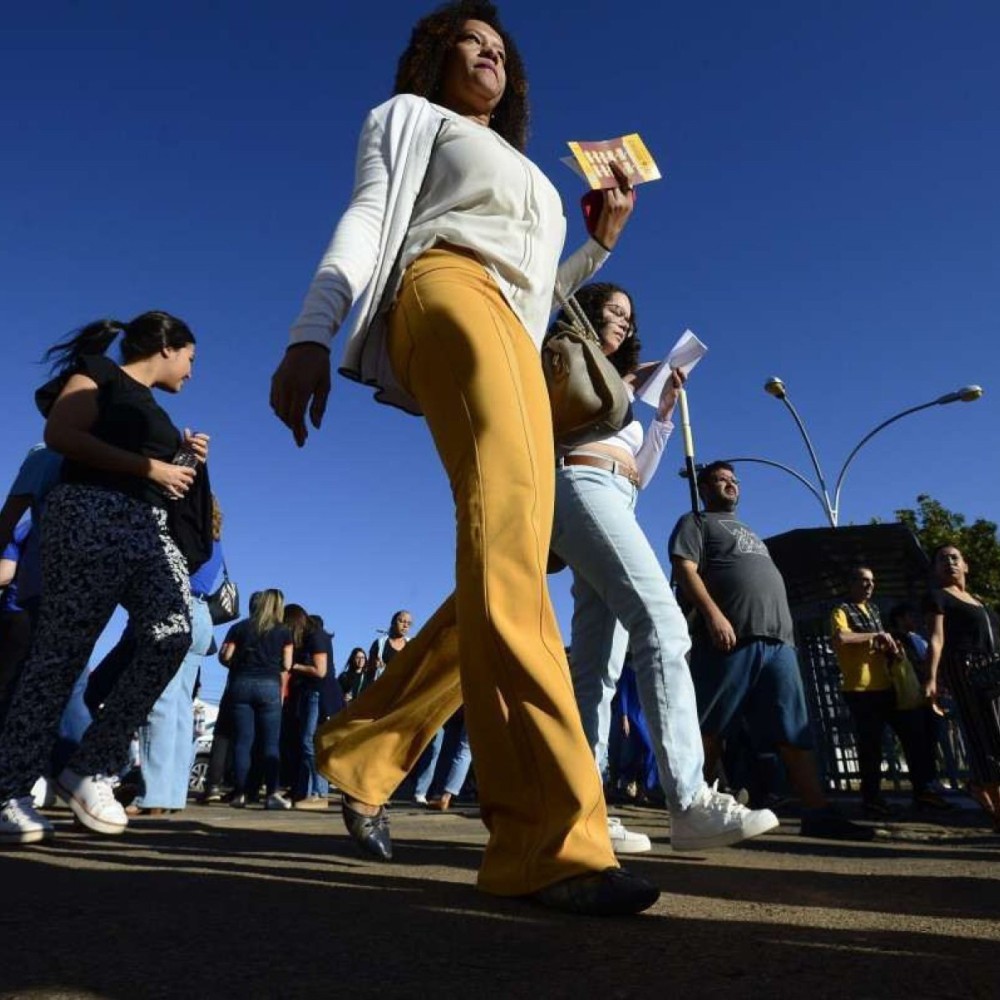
{"points": [[461, 352]]}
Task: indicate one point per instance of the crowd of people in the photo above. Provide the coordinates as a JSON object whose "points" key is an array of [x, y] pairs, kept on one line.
{"points": [[450, 252]]}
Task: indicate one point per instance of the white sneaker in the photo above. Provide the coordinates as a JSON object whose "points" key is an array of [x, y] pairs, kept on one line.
{"points": [[92, 799], [21, 823], [277, 801], [716, 819], [421, 800], [626, 841]]}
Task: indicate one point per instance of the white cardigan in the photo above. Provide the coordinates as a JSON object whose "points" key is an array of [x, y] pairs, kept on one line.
{"points": [[360, 264]]}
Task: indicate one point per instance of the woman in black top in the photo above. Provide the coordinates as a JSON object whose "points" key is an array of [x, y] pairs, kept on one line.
{"points": [[964, 649], [105, 541], [258, 653], [310, 662]]}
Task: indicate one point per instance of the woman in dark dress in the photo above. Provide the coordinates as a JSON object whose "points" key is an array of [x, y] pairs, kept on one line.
{"points": [[964, 648]]}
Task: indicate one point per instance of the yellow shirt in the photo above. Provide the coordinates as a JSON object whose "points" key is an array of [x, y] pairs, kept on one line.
{"points": [[862, 668]]}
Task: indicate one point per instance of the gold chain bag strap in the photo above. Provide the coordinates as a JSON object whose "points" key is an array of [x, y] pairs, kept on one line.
{"points": [[587, 395]]}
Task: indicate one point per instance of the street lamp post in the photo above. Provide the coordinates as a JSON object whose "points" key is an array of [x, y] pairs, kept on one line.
{"points": [[831, 508]]}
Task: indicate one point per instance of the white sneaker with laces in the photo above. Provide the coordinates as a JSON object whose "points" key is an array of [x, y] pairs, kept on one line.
{"points": [[716, 819], [625, 841], [21, 823], [277, 801], [92, 799]]}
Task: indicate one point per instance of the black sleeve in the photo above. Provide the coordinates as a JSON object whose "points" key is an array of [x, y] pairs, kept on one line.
{"points": [[95, 366]]}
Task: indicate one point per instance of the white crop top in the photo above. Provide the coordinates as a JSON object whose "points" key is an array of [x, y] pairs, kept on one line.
{"points": [[647, 449]]}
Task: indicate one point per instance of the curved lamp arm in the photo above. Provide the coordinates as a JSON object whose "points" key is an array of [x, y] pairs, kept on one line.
{"points": [[967, 394], [830, 510]]}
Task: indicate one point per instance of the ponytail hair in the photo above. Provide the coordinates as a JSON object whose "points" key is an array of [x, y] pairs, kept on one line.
{"points": [[142, 337]]}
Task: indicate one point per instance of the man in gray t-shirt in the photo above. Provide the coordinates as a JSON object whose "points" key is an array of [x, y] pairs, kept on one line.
{"points": [[743, 660], [738, 572]]}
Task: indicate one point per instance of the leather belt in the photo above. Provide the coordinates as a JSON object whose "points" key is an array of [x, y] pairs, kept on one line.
{"points": [[607, 464]]}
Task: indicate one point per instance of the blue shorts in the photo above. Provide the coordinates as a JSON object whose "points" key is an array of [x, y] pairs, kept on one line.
{"points": [[758, 681]]}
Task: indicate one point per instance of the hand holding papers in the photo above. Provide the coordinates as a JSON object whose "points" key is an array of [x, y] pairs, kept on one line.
{"points": [[685, 354], [592, 161]]}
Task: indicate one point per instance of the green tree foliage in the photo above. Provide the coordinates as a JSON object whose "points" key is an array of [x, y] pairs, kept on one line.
{"points": [[934, 525]]}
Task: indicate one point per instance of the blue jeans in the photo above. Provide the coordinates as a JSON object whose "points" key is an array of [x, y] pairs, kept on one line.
{"points": [[310, 781], [423, 771], [456, 753], [166, 740], [621, 593], [256, 705]]}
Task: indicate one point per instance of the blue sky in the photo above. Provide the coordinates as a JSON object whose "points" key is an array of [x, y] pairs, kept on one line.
{"points": [[828, 214]]}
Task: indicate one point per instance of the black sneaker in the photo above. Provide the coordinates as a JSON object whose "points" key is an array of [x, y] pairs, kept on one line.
{"points": [[931, 800], [876, 808], [828, 824], [609, 893], [211, 795]]}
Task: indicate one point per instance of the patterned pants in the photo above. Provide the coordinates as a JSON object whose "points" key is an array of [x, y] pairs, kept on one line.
{"points": [[99, 549]]}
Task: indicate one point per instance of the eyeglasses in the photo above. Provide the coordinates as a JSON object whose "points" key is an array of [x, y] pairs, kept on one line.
{"points": [[723, 480], [617, 312]]}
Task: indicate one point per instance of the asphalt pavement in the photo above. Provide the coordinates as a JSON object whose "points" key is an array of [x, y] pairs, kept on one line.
{"points": [[218, 902]]}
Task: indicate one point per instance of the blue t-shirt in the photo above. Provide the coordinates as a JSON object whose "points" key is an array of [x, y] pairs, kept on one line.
{"points": [[39, 472], [14, 552], [203, 579], [257, 655]]}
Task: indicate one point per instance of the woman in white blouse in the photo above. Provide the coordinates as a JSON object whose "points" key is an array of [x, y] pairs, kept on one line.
{"points": [[621, 593], [451, 248]]}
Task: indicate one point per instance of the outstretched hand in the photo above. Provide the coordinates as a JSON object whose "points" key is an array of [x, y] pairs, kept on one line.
{"points": [[301, 381]]}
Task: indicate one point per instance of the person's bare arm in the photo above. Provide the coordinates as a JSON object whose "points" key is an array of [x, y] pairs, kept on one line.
{"points": [[317, 668], [935, 646], [226, 653], [8, 567], [693, 587], [12, 512], [68, 431]]}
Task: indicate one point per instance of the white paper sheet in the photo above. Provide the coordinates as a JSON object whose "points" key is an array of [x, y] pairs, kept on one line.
{"points": [[684, 355]]}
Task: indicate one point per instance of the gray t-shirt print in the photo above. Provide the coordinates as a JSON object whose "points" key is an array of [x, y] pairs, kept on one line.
{"points": [[739, 574]]}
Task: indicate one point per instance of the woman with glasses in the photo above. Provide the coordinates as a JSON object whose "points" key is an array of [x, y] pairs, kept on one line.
{"points": [[621, 596]]}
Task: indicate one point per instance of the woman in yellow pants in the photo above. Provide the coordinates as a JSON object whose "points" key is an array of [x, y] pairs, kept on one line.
{"points": [[456, 236]]}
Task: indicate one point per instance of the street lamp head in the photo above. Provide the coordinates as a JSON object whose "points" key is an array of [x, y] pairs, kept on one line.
{"points": [[775, 387], [967, 394]]}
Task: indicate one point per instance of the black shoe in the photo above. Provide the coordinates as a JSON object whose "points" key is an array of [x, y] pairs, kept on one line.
{"points": [[609, 893], [828, 824], [370, 833], [931, 800], [211, 794], [876, 808]]}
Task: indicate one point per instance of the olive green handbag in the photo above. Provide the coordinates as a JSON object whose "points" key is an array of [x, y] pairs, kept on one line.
{"points": [[587, 395]]}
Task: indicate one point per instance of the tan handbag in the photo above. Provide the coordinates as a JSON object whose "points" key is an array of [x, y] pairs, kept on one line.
{"points": [[587, 395]]}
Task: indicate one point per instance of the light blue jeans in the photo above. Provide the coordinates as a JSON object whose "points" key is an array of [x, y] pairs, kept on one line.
{"points": [[620, 592], [456, 753], [423, 771], [310, 782], [166, 741]]}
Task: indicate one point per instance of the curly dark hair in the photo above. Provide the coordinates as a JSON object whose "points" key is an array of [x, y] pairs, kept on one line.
{"points": [[592, 299], [421, 66]]}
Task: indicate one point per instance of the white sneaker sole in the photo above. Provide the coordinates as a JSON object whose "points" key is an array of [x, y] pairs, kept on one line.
{"points": [[631, 846], [86, 819], [764, 822], [25, 836]]}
